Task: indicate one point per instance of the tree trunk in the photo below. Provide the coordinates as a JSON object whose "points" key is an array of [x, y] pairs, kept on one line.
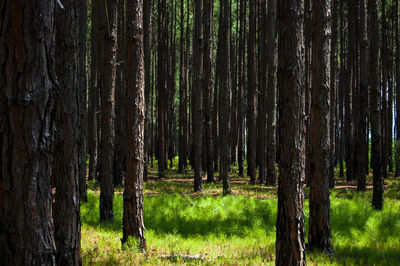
{"points": [[197, 95], [319, 229], [376, 162], [147, 7], [162, 95], [183, 138], [93, 92], [133, 224], [207, 83], [361, 147], [27, 104], [271, 93], [82, 17], [251, 96], [241, 84], [262, 92], [350, 76], [107, 90], [224, 95], [290, 248], [333, 92], [66, 175]]}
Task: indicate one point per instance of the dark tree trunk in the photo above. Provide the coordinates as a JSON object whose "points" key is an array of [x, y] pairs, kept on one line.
{"points": [[241, 84], [333, 92], [183, 131], [376, 162], [66, 179], [27, 104], [82, 17], [290, 247], [350, 76], [361, 147], [224, 94], [271, 93], [262, 93], [147, 7], [207, 83], [133, 224], [119, 152], [107, 90], [162, 93], [93, 92], [341, 89], [319, 229], [197, 95], [384, 83], [251, 96]]}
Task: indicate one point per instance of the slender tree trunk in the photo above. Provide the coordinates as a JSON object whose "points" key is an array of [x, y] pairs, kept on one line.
{"points": [[27, 132], [197, 96], [271, 93], [162, 94], [207, 83], [342, 76], [93, 92], [241, 84], [107, 89], [147, 7], [384, 83], [251, 96], [262, 92], [182, 95], [361, 147], [350, 76], [133, 224], [290, 248], [333, 92], [224, 94], [119, 152], [376, 162], [319, 229]]}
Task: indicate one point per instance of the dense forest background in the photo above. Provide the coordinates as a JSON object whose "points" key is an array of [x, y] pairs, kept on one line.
{"points": [[199, 131]]}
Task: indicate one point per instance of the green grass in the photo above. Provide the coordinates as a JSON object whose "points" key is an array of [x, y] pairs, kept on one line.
{"points": [[237, 229]]}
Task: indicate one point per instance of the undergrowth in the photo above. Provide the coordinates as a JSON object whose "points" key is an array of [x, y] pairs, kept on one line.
{"points": [[236, 229]]}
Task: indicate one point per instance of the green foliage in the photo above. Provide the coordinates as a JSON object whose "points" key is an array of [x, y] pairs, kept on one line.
{"points": [[237, 229]]}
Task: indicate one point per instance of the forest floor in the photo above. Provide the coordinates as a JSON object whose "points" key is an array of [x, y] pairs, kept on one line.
{"points": [[189, 228]]}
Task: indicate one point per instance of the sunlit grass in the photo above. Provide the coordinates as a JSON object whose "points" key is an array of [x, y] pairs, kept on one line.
{"points": [[237, 229]]}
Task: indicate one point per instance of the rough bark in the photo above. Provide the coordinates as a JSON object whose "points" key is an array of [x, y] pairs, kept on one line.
{"points": [[397, 86], [290, 248], [320, 161], [66, 175], [133, 224], [251, 96], [376, 162], [107, 90], [27, 130], [224, 95]]}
